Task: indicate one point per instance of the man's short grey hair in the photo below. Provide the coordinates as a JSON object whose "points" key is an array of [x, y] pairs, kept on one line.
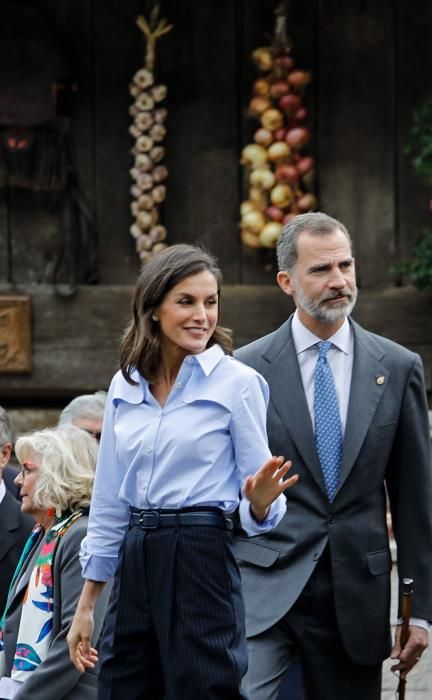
{"points": [[6, 430], [67, 459], [316, 223], [88, 406]]}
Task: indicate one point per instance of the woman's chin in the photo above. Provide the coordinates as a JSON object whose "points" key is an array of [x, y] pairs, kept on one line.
{"points": [[27, 505]]}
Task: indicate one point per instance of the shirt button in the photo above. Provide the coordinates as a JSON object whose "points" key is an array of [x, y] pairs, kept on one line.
{"points": [[316, 556], [178, 385], [189, 359], [187, 397], [149, 449]]}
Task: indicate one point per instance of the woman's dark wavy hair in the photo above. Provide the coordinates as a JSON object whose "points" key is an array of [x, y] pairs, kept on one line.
{"points": [[140, 346]]}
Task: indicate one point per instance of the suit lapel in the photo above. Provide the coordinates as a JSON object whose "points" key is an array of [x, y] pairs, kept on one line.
{"points": [[365, 395], [25, 573], [9, 520], [289, 400]]}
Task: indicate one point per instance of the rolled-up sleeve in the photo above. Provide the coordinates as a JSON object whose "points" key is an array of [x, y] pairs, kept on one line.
{"points": [[109, 515], [249, 435]]}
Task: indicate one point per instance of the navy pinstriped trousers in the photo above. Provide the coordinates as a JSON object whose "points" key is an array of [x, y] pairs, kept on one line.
{"points": [[175, 624]]}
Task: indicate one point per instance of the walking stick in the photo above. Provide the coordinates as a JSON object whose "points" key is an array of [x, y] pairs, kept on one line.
{"points": [[407, 591]]}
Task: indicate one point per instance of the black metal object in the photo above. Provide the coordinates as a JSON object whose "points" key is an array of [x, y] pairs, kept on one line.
{"points": [[407, 591]]}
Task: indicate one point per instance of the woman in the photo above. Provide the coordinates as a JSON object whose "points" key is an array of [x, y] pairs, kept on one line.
{"points": [[184, 426], [56, 482]]}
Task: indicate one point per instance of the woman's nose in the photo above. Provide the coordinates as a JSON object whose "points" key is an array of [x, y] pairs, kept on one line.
{"points": [[200, 312]]}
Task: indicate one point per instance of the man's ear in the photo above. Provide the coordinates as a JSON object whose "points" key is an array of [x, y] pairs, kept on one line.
{"points": [[5, 453], [284, 280]]}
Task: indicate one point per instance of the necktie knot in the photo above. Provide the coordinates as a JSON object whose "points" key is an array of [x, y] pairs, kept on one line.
{"points": [[323, 347]]}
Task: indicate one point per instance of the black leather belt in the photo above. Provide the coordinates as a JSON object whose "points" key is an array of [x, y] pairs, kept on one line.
{"points": [[154, 519]]}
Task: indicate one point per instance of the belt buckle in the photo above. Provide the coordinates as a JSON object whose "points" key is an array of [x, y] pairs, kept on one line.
{"points": [[145, 515]]}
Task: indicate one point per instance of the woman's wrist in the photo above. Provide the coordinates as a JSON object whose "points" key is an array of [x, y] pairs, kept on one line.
{"points": [[90, 593], [258, 514]]}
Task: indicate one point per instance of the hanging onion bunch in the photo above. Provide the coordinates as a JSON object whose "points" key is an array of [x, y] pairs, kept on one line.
{"points": [[279, 173], [148, 129]]}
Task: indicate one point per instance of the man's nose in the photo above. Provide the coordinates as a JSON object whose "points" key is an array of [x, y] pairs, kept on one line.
{"points": [[337, 279]]}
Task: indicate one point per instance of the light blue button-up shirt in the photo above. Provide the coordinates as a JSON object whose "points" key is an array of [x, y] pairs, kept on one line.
{"points": [[195, 450]]}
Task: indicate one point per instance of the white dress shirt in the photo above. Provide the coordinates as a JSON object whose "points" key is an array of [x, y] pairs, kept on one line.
{"points": [[2, 490]]}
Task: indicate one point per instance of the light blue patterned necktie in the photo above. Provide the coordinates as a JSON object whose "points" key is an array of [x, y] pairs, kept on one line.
{"points": [[328, 432]]}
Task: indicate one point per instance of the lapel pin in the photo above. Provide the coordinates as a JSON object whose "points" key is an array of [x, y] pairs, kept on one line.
{"points": [[380, 380]]}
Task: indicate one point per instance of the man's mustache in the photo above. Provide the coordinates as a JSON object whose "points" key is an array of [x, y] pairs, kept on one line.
{"points": [[337, 295]]}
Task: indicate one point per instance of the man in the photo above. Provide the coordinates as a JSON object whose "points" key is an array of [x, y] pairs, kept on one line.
{"points": [[86, 412], [15, 526], [6, 446], [351, 413]]}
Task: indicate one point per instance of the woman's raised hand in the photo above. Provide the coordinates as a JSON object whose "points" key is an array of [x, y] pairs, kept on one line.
{"points": [[266, 485]]}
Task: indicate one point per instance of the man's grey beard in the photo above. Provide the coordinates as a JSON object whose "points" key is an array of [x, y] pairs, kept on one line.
{"points": [[318, 310]]}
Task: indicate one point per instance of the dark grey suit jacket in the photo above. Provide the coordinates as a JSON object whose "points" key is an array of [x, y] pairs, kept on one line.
{"points": [[15, 527], [386, 444], [9, 475], [56, 678]]}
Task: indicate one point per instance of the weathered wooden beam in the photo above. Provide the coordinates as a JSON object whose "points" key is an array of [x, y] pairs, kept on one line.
{"points": [[75, 341]]}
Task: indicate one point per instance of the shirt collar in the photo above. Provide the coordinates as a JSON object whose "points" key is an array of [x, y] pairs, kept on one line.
{"points": [[304, 338], [136, 393], [131, 393], [2, 490], [208, 359]]}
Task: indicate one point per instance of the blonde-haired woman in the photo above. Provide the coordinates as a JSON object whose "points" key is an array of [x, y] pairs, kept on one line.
{"points": [[56, 482]]}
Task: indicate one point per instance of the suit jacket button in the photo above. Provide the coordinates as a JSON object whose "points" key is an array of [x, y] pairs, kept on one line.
{"points": [[331, 519]]}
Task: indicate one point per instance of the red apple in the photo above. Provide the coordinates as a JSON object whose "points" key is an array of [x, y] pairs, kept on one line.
{"points": [[299, 78], [301, 114], [284, 61], [288, 217], [274, 213], [290, 103], [305, 164], [279, 88], [297, 137], [280, 134], [307, 202], [287, 173]]}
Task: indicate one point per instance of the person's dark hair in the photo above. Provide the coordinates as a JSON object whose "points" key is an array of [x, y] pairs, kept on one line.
{"points": [[140, 346], [317, 223]]}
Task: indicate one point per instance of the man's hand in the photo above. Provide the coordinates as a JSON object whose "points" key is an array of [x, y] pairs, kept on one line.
{"points": [[418, 639]]}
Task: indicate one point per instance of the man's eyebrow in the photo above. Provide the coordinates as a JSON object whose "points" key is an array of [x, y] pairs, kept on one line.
{"points": [[322, 267]]}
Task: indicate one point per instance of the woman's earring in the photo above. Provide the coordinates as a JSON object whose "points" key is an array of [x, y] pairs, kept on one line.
{"points": [[155, 317]]}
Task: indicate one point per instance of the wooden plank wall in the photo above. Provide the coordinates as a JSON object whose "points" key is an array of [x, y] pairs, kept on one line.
{"points": [[369, 61]]}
